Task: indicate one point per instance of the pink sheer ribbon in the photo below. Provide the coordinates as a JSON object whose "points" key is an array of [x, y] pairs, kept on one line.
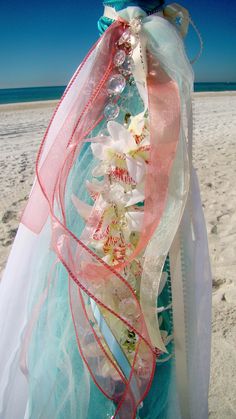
{"points": [[89, 275]]}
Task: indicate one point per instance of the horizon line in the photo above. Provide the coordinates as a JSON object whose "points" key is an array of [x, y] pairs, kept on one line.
{"points": [[64, 85]]}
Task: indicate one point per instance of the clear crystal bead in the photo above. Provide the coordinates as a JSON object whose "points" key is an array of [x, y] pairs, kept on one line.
{"points": [[111, 111], [125, 37], [116, 84], [119, 57], [127, 66], [128, 37]]}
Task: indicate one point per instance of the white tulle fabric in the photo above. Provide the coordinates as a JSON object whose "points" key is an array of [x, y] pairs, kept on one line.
{"points": [[14, 292], [18, 279]]}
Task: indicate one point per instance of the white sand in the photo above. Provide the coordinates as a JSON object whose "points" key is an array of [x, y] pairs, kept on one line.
{"points": [[21, 129], [215, 158]]}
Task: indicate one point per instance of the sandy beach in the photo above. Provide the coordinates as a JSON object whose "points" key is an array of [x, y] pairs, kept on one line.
{"points": [[22, 127]]}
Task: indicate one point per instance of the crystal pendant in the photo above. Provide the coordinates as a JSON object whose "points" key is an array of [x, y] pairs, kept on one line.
{"points": [[111, 111], [119, 57], [116, 84]]}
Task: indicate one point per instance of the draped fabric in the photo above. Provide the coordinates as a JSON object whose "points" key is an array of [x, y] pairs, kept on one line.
{"points": [[111, 243]]}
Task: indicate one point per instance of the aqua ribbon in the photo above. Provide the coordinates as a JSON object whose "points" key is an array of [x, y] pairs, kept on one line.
{"points": [[148, 6], [115, 348]]}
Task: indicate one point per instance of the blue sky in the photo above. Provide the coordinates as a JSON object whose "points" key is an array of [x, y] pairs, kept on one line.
{"points": [[42, 42]]}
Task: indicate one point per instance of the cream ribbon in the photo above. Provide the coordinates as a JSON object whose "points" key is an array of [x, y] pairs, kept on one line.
{"points": [[177, 287]]}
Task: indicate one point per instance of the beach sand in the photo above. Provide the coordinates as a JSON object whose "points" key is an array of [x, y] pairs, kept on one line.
{"points": [[21, 129]]}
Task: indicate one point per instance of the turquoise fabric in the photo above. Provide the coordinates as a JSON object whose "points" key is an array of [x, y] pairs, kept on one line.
{"points": [[156, 404], [147, 6]]}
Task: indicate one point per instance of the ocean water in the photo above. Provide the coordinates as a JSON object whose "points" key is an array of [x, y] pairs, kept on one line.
{"points": [[31, 94], [214, 87]]}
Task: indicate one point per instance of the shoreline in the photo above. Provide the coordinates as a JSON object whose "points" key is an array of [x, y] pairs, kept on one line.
{"points": [[14, 106], [215, 94]]}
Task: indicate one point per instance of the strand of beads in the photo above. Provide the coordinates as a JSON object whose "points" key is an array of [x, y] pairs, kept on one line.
{"points": [[123, 64]]}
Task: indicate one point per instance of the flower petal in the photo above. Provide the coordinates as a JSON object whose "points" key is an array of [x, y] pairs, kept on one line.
{"points": [[116, 194], [95, 186], [98, 139], [100, 169], [145, 141], [123, 140], [98, 150], [135, 220], [137, 123], [136, 169], [135, 197]]}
